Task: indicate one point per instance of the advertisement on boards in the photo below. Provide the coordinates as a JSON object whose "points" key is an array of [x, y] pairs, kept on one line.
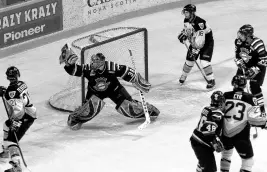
{"points": [[29, 21]]}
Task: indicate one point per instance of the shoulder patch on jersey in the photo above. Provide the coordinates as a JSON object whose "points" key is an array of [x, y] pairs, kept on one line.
{"points": [[201, 25], [254, 99], [12, 94]]}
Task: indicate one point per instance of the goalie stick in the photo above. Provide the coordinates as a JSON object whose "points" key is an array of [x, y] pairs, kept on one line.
{"points": [[22, 157], [255, 135], [143, 101], [202, 72]]}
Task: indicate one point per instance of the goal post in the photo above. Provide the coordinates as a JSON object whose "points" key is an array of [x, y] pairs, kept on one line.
{"points": [[115, 44]]}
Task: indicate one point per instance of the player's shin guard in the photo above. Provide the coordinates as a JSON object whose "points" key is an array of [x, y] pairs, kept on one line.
{"points": [[247, 165], [85, 113], [226, 160], [188, 65], [207, 68], [257, 92], [134, 109]]}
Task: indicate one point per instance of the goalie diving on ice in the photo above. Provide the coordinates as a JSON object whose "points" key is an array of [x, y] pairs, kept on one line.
{"points": [[103, 83]]}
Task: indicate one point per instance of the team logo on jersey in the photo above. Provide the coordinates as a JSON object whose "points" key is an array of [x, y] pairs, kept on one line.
{"points": [[101, 84], [12, 94], [245, 56], [201, 25]]}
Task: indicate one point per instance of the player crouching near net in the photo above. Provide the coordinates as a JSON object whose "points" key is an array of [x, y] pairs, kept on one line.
{"points": [[206, 136], [103, 83], [198, 38]]}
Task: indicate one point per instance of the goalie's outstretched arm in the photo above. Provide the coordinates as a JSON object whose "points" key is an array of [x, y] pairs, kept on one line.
{"points": [[130, 75]]}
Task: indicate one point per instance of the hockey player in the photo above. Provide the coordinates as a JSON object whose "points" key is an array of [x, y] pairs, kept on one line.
{"points": [[206, 136], [21, 115], [103, 83], [251, 59], [198, 34], [240, 110]]}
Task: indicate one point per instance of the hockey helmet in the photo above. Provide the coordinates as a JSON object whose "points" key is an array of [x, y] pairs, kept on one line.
{"points": [[246, 30], [190, 8], [217, 99], [239, 81], [12, 73]]}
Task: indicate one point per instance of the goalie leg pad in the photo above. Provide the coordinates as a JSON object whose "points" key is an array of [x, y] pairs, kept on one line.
{"points": [[134, 109], [86, 112]]}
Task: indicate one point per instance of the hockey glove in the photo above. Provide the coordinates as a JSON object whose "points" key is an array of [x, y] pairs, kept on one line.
{"points": [[67, 55], [263, 62], [15, 125], [2, 91], [182, 37], [217, 144], [252, 72], [240, 63], [140, 83], [194, 53]]}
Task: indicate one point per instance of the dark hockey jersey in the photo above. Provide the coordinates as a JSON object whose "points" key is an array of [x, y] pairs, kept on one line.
{"points": [[198, 32], [236, 109], [18, 100], [251, 53], [209, 125], [105, 81]]}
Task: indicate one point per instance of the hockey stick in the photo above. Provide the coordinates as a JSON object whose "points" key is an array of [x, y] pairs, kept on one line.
{"points": [[202, 72], [255, 135], [147, 121], [22, 157]]}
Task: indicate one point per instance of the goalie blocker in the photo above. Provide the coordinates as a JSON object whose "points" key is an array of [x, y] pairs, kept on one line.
{"points": [[103, 83]]}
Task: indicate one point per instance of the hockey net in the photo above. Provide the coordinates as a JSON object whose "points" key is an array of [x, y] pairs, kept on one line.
{"points": [[115, 44]]}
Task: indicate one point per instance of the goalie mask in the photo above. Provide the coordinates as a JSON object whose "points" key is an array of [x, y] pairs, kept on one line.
{"points": [[12, 73], [97, 61]]}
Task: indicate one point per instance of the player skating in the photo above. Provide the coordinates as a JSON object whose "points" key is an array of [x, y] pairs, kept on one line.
{"points": [[21, 114], [206, 136], [251, 59], [103, 83], [240, 112], [198, 35]]}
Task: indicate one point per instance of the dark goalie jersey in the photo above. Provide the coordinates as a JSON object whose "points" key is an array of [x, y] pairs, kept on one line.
{"points": [[18, 101], [209, 126], [103, 82], [252, 53], [198, 32]]}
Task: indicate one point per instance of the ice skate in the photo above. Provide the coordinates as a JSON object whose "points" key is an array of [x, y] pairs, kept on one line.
{"points": [[211, 84], [4, 156], [182, 79]]}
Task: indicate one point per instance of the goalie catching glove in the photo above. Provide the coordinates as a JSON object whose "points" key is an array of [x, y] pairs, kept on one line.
{"points": [[67, 55], [140, 83]]}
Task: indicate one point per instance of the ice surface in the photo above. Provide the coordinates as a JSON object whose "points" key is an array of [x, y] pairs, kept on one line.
{"points": [[111, 142]]}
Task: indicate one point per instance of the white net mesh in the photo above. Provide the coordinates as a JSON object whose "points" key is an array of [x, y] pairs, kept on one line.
{"points": [[115, 45]]}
